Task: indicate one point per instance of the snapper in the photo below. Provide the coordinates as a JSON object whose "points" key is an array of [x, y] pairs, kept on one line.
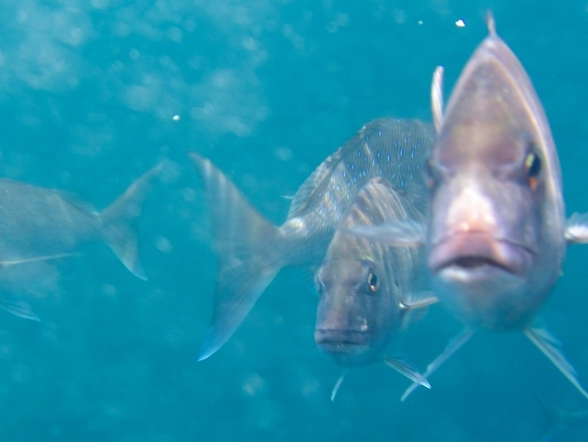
{"points": [[497, 232], [251, 250], [368, 291]]}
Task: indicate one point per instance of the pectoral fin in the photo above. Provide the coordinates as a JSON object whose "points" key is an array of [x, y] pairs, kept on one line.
{"points": [[18, 308], [577, 229], [396, 233], [454, 345], [415, 307], [408, 370], [338, 384], [419, 300], [551, 347]]}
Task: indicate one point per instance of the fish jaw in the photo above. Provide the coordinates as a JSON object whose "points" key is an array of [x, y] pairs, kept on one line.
{"points": [[484, 280], [349, 348], [469, 255]]}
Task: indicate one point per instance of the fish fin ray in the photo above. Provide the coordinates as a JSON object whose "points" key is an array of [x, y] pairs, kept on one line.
{"points": [[301, 199], [437, 98], [415, 307], [419, 300], [119, 218], [249, 254], [12, 262], [552, 348], [407, 369], [399, 233], [18, 308], [454, 344], [337, 385], [577, 229]]}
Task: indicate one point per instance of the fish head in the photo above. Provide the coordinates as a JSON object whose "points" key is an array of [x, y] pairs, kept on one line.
{"points": [[353, 322], [497, 217]]}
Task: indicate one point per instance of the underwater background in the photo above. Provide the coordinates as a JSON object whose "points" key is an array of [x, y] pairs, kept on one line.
{"points": [[95, 92]]}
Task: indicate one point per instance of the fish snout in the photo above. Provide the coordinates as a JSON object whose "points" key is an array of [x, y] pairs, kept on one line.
{"points": [[470, 211]]}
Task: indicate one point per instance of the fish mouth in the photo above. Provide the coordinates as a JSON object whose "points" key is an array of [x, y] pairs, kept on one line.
{"points": [[476, 252], [341, 341]]}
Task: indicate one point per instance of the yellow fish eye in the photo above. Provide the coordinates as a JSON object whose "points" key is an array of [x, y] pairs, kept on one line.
{"points": [[533, 167], [372, 282]]}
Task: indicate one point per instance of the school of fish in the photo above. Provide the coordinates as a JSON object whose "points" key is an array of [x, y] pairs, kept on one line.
{"points": [[467, 212]]}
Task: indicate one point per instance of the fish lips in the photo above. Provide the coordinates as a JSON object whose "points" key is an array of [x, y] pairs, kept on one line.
{"points": [[478, 255], [343, 345]]}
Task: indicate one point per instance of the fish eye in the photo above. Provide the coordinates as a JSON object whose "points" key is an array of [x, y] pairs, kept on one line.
{"points": [[431, 173], [533, 167], [373, 282]]}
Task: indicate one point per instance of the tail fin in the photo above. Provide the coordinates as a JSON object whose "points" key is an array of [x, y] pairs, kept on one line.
{"points": [[248, 248], [118, 220]]}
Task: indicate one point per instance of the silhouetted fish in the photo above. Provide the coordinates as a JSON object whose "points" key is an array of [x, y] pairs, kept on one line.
{"points": [[38, 224], [251, 250], [366, 289], [497, 232]]}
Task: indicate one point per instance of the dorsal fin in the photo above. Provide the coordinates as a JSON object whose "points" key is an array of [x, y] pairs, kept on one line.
{"points": [[490, 23], [312, 182], [437, 98]]}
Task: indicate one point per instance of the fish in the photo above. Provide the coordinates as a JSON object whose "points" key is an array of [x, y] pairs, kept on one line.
{"points": [[40, 224], [368, 290], [497, 233], [251, 250]]}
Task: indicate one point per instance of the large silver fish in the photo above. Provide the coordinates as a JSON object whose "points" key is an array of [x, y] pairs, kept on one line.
{"points": [[367, 290], [251, 250], [38, 224], [497, 233]]}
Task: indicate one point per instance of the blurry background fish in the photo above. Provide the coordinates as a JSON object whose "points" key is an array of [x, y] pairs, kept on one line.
{"points": [[41, 225], [88, 94]]}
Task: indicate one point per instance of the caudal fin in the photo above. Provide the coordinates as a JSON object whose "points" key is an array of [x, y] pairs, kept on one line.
{"points": [[248, 248], [118, 222]]}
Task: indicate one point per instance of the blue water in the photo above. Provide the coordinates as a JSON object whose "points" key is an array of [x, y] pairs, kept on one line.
{"points": [[266, 89]]}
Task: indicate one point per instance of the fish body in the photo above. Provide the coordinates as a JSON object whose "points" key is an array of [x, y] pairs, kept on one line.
{"points": [[251, 250], [38, 224], [366, 289], [37, 221], [497, 233]]}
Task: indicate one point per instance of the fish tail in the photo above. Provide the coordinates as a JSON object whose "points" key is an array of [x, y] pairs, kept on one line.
{"points": [[119, 222], [248, 248]]}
